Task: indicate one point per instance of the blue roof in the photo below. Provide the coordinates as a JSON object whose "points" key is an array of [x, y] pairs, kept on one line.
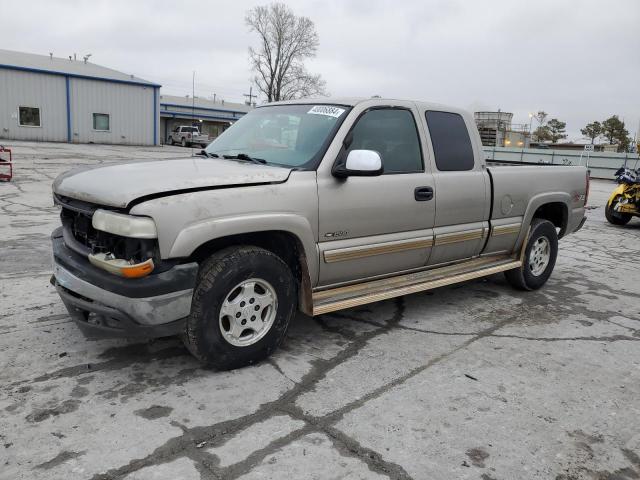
{"points": [[30, 62]]}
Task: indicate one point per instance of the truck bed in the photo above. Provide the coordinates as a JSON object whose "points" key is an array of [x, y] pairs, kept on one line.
{"points": [[516, 188]]}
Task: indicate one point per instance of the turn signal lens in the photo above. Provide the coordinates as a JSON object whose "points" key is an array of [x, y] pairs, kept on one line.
{"points": [[139, 270], [120, 267]]}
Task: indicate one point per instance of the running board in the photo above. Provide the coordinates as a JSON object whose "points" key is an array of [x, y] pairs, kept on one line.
{"points": [[325, 301]]}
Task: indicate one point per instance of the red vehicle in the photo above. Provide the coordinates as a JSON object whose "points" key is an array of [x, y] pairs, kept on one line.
{"points": [[6, 164]]}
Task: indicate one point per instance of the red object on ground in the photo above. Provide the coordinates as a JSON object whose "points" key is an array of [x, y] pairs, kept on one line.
{"points": [[6, 164]]}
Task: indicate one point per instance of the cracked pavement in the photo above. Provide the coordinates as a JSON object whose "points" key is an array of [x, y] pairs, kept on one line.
{"points": [[472, 381]]}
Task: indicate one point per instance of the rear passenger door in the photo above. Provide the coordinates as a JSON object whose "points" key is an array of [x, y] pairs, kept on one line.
{"points": [[462, 188]]}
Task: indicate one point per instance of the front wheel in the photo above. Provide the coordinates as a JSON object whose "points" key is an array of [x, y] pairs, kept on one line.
{"points": [[613, 217], [242, 304], [540, 256], [184, 142]]}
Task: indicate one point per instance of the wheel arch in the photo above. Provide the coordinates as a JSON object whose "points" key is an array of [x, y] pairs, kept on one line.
{"points": [[296, 248], [556, 212], [554, 207]]}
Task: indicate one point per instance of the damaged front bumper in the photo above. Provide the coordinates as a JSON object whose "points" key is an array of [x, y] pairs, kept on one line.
{"points": [[106, 305]]}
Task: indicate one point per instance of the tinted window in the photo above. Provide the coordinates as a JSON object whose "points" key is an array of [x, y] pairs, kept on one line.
{"points": [[450, 140], [393, 134], [29, 116]]}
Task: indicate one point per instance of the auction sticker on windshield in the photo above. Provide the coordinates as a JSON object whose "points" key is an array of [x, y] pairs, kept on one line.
{"points": [[327, 110]]}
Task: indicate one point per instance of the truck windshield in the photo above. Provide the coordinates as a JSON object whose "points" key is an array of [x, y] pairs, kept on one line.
{"points": [[287, 135]]}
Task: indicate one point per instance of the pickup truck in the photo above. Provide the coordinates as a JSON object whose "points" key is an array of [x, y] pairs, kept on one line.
{"points": [[311, 206], [187, 136]]}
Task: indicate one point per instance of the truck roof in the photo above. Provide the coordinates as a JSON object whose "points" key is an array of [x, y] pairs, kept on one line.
{"points": [[353, 101]]}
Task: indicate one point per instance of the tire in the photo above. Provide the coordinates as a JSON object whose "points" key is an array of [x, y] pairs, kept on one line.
{"points": [[171, 142], [613, 217], [183, 142], [538, 266], [208, 332]]}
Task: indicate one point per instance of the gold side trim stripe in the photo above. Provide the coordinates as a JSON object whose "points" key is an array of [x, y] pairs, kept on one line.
{"points": [[447, 238], [319, 309], [509, 229], [351, 253], [409, 278]]}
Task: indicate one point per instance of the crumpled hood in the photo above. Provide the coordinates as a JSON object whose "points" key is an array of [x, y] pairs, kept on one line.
{"points": [[118, 185]]}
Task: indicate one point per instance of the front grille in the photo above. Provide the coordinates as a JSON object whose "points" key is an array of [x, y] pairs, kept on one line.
{"points": [[80, 227], [76, 220]]}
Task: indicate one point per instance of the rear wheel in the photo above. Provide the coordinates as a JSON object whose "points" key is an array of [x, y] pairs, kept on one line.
{"points": [[184, 142], [241, 308], [539, 257], [613, 217]]}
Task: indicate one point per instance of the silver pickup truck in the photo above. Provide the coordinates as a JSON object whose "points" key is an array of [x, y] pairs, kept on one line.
{"points": [[187, 136], [302, 206]]}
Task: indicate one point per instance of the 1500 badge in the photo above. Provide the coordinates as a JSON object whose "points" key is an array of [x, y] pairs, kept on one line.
{"points": [[341, 233]]}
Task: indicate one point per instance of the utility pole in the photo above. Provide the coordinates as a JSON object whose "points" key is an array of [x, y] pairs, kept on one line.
{"points": [[193, 104], [250, 95]]}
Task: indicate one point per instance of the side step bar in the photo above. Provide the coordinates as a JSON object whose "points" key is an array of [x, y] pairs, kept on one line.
{"points": [[325, 301]]}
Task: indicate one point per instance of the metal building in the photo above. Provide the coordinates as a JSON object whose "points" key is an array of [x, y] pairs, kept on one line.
{"points": [[211, 116], [73, 100], [496, 130]]}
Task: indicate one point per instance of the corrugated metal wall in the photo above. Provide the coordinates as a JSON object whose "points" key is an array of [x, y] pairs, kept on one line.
{"points": [[48, 92], [130, 109]]}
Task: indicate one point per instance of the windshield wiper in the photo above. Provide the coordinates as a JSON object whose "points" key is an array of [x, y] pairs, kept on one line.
{"points": [[244, 156], [208, 155]]}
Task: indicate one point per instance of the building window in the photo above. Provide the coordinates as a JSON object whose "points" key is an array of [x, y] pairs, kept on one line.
{"points": [[101, 122], [29, 116]]}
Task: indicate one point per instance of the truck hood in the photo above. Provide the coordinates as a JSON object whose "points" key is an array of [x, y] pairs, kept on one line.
{"points": [[118, 185]]}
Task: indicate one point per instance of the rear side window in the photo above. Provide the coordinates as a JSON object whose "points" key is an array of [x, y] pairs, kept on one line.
{"points": [[391, 132], [450, 140]]}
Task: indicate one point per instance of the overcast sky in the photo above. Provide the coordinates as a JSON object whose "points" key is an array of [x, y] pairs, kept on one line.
{"points": [[577, 60]]}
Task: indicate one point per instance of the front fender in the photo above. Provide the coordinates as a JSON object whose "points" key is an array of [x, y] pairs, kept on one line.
{"points": [[199, 233], [619, 190]]}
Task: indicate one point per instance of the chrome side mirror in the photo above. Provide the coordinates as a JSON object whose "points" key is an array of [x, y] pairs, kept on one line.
{"points": [[360, 163]]}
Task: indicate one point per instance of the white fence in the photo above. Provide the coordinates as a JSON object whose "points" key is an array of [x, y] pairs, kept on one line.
{"points": [[601, 164]]}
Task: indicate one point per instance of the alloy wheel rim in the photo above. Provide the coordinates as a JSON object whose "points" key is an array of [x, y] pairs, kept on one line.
{"points": [[539, 256], [248, 312]]}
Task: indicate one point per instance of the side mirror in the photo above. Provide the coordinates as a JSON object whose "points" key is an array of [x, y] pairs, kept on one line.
{"points": [[359, 163]]}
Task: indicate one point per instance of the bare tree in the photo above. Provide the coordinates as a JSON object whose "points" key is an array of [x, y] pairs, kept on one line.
{"points": [[286, 41], [541, 117]]}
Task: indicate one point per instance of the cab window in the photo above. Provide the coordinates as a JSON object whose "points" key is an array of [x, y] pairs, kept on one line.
{"points": [[391, 132], [450, 139]]}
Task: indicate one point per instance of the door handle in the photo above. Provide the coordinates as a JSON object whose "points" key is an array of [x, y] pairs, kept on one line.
{"points": [[422, 194]]}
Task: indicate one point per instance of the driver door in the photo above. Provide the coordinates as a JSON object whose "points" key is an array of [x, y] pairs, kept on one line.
{"points": [[375, 226]]}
